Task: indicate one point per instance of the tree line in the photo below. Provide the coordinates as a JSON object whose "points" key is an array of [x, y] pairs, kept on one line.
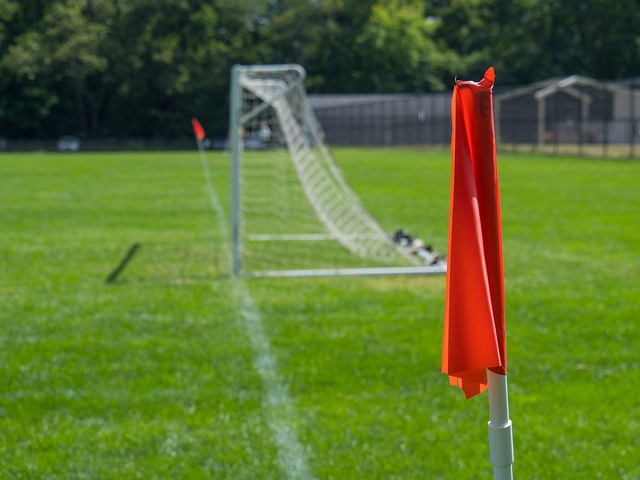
{"points": [[143, 68]]}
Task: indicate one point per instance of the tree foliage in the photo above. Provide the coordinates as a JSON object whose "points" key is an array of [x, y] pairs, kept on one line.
{"points": [[103, 68], [399, 51]]}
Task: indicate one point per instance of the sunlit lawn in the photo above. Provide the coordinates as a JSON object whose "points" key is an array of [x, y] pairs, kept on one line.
{"points": [[156, 376]]}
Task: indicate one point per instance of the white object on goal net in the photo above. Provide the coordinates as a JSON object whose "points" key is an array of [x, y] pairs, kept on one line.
{"points": [[293, 213]]}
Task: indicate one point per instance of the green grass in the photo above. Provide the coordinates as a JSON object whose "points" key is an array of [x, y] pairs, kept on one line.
{"points": [[156, 376]]}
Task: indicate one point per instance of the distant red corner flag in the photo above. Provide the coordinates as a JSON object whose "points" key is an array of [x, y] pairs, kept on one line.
{"points": [[474, 332], [198, 131]]}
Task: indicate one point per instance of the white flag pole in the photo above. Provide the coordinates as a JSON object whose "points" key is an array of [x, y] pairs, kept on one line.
{"points": [[213, 197], [207, 176], [500, 433], [203, 155]]}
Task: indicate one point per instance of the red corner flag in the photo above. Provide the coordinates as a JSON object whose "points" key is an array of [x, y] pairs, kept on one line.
{"points": [[474, 333], [198, 131]]}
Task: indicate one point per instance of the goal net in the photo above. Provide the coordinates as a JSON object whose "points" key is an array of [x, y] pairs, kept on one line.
{"points": [[293, 212]]}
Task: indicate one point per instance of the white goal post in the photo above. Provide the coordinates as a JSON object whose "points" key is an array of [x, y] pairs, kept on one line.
{"points": [[293, 212]]}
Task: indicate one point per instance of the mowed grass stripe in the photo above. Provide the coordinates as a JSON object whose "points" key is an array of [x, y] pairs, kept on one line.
{"points": [[280, 412]]}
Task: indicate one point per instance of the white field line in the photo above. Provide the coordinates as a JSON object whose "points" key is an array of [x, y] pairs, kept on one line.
{"points": [[280, 413], [292, 458]]}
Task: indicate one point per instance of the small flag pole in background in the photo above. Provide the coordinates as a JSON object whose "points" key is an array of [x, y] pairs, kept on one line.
{"points": [[474, 353], [199, 134]]}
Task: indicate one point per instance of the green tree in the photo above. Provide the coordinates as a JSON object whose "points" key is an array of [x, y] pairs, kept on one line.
{"points": [[61, 64], [27, 97], [606, 34], [102, 68], [319, 35], [530, 40], [399, 50]]}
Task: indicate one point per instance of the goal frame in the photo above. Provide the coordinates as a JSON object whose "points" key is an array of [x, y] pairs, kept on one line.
{"points": [[236, 121]]}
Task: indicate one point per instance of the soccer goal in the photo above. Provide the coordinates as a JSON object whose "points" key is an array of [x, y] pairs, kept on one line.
{"points": [[293, 212]]}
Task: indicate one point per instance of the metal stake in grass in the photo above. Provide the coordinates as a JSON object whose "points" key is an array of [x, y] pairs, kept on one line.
{"points": [[123, 263]]}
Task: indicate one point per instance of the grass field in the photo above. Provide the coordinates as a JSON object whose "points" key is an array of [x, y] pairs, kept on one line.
{"points": [[177, 371]]}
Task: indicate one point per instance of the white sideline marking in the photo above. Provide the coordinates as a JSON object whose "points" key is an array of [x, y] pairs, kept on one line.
{"points": [[291, 456]]}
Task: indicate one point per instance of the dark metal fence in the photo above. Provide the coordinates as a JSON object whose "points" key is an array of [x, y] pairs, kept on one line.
{"points": [[574, 115], [101, 145], [384, 120]]}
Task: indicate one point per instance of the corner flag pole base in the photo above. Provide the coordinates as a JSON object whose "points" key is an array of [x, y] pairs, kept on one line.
{"points": [[500, 431]]}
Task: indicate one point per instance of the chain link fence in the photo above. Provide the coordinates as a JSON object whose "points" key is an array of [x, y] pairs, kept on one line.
{"points": [[384, 120], [573, 115]]}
